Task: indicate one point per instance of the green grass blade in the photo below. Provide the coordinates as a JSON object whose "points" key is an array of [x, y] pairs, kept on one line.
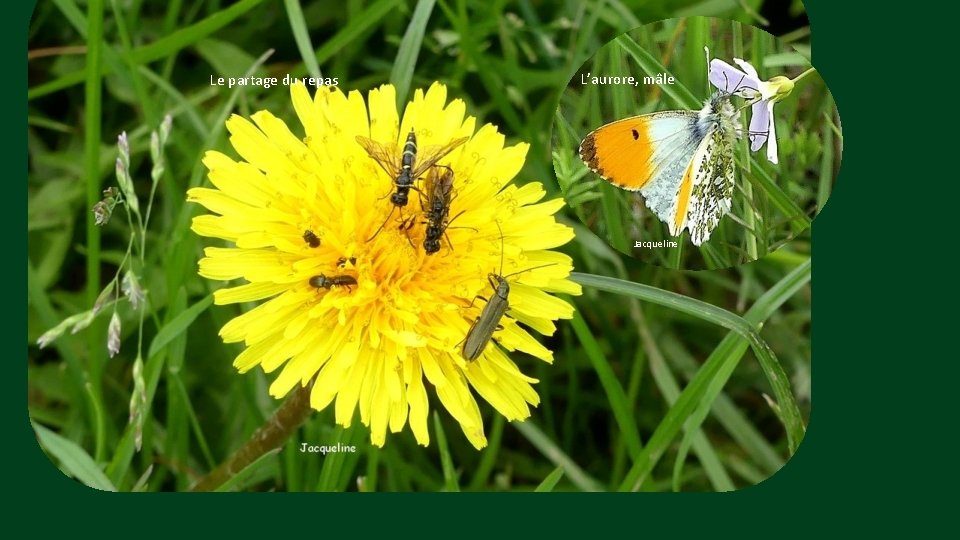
{"points": [[403, 67], [161, 48], [667, 384], [798, 218], [298, 26], [338, 467], [184, 396], [70, 11], [185, 37], [489, 456], [446, 460], [651, 66], [73, 459], [180, 324], [93, 94], [358, 25], [693, 435], [726, 411], [615, 395], [249, 472], [550, 481], [826, 163], [124, 451], [767, 358], [551, 451], [685, 304], [696, 391]]}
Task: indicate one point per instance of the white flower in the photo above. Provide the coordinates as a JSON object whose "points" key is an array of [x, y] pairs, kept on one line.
{"points": [[746, 83]]}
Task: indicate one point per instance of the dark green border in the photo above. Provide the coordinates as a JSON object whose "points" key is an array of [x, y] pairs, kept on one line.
{"points": [[846, 474]]}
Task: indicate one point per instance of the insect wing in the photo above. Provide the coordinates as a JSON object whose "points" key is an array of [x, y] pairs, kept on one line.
{"points": [[429, 156], [430, 185], [439, 194], [649, 153], [635, 152], [388, 158], [712, 190]]}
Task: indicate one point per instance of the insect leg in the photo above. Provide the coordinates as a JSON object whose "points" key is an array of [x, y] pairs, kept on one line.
{"points": [[380, 228]]}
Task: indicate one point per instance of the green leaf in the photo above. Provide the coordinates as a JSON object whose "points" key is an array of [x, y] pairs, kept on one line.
{"points": [[73, 459]]}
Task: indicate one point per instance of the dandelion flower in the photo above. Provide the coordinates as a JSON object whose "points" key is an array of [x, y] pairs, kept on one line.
{"points": [[353, 301]]}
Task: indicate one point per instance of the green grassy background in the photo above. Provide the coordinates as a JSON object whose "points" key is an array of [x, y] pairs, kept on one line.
{"points": [[666, 380], [771, 204]]}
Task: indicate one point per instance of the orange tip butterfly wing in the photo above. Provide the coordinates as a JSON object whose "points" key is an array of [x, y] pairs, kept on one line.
{"points": [[680, 161]]}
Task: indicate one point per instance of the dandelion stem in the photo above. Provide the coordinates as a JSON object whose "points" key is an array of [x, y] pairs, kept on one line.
{"points": [[804, 74], [271, 435]]}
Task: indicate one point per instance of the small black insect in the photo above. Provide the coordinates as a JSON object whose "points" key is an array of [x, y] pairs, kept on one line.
{"points": [[405, 168], [311, 238], [439, 188], [325, 282], [342, 261]]}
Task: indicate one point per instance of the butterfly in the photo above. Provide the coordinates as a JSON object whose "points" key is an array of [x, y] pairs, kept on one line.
{"points": [[680, 161]]}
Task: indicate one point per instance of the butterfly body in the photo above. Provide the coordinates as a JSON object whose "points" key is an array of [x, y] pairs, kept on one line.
{"points": [[680, 161]]}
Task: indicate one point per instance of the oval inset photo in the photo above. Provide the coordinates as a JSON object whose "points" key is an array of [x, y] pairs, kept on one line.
{"points": [[697, 143]]}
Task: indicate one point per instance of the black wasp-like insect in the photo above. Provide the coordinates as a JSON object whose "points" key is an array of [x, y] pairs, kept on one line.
{"points": [[311, 238], [406, 167], [325, 282], [439, 188]]}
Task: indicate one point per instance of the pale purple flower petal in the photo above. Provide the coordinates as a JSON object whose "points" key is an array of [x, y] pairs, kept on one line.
{"points": [[732, 80], [772, 132], [747, 67], [759, 124], [745, 82]]}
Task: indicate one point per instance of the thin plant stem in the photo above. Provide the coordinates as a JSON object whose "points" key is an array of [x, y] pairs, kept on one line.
{"points": [[802, 75], [271, 435]]}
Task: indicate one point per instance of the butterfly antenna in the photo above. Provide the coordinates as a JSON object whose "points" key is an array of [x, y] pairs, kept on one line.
{"points": [[736, 87]]}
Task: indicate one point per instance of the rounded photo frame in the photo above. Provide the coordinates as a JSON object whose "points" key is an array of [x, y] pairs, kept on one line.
{"points": [[697, 143]]}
